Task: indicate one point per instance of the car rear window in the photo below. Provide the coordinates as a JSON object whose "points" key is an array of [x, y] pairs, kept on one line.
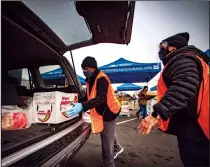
{"points": [[20, 77], [53, 76], [63, 19]]}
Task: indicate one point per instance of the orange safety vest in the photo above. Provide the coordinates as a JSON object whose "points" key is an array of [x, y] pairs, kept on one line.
{"points": [[97, 123], [203, 100]]}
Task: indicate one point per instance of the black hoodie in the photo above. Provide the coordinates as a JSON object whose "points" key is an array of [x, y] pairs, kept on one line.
{"points": [[182, 77]]}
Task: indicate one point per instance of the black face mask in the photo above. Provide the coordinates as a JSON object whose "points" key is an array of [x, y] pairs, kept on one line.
{"points": [[87, 74], [162, 54]]}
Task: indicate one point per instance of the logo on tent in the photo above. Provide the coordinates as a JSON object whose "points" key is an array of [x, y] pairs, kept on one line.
{"points": [[155, 67], [120, 65]]}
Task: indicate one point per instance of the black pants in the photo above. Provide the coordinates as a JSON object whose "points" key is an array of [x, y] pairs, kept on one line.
{"points": [[193, 153]]}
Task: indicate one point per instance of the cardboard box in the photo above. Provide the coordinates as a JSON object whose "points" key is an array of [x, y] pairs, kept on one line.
{"points": [[150, 105], [125, 110], [51, 107]]}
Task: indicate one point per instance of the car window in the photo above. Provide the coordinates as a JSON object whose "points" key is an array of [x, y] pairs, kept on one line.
{"points": [[53, 76], [20, 77], [63, 19]]}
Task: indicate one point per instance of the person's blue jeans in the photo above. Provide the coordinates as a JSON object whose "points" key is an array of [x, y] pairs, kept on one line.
{"points": [[142, 110]]}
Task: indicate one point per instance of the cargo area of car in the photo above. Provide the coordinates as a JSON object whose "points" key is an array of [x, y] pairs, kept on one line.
{"points": [[21, 141], [44, 135], [38, 143], [13, 141]]}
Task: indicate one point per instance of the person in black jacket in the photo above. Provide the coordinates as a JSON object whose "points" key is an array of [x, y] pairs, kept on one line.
{"points": [[90, 70], [182, 76]]}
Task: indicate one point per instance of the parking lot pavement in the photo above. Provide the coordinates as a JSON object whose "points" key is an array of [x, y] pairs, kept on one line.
{"points": [[155, 149]]}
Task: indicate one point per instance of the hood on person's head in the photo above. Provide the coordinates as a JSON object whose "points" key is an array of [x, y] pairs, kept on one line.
{"points": [[88, 62], [172, 43]]}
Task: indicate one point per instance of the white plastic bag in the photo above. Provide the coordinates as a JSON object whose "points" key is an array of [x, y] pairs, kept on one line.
{"points": [[86, 117], [16, 118]]}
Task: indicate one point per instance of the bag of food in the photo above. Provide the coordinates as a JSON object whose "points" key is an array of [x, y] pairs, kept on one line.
{"points": [[16, 118]]}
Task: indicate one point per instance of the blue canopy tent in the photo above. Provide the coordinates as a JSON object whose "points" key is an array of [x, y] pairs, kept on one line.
{"points": [[128, 87], [58, 77], [124, 71], [154, 88], [208, 52], [81, 79], [54, 74]]}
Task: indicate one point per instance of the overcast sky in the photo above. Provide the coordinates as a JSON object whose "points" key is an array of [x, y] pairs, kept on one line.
{"points": [[153, 21]]}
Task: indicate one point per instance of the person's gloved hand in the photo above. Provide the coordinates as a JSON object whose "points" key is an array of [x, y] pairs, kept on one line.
{"points": [[76, 109]]}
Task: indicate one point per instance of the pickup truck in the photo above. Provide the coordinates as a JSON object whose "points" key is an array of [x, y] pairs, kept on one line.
{"points": [[35, 36]]}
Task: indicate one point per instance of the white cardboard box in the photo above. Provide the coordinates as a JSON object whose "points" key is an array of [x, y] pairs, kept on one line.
{"points": [[125, 110], [150, 105], [51, 107]]}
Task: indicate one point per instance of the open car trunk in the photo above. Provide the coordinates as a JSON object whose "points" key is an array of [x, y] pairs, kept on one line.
{"points": [[109, 21], [67, 25], [38, 33]]}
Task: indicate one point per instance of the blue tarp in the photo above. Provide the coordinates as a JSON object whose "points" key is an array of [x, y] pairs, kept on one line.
{"points": [[124, 71], [58, 74], [54, 74], [128, 87], [154, 88], [208, 52]]}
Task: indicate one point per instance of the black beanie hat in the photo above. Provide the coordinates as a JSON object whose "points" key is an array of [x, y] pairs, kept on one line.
{"points": [[179, 40], [89, 62]]}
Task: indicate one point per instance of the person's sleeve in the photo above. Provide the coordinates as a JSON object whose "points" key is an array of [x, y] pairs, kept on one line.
{"points": [[84, 98], [101, 96], [185, 83]]}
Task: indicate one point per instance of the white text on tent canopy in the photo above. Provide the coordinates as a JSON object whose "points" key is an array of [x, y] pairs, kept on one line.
{"points": [[132, 69], [121, 65]]}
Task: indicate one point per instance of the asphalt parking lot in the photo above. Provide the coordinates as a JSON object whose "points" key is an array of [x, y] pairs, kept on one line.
{"points": [[155, 149]]}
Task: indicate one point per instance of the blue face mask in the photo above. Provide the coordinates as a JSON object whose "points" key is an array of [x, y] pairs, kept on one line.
{"points": [[87, 74]]}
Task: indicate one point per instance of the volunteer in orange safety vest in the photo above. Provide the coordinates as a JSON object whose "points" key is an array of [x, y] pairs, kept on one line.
{"points": [[183, 99], [104, 109]]}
